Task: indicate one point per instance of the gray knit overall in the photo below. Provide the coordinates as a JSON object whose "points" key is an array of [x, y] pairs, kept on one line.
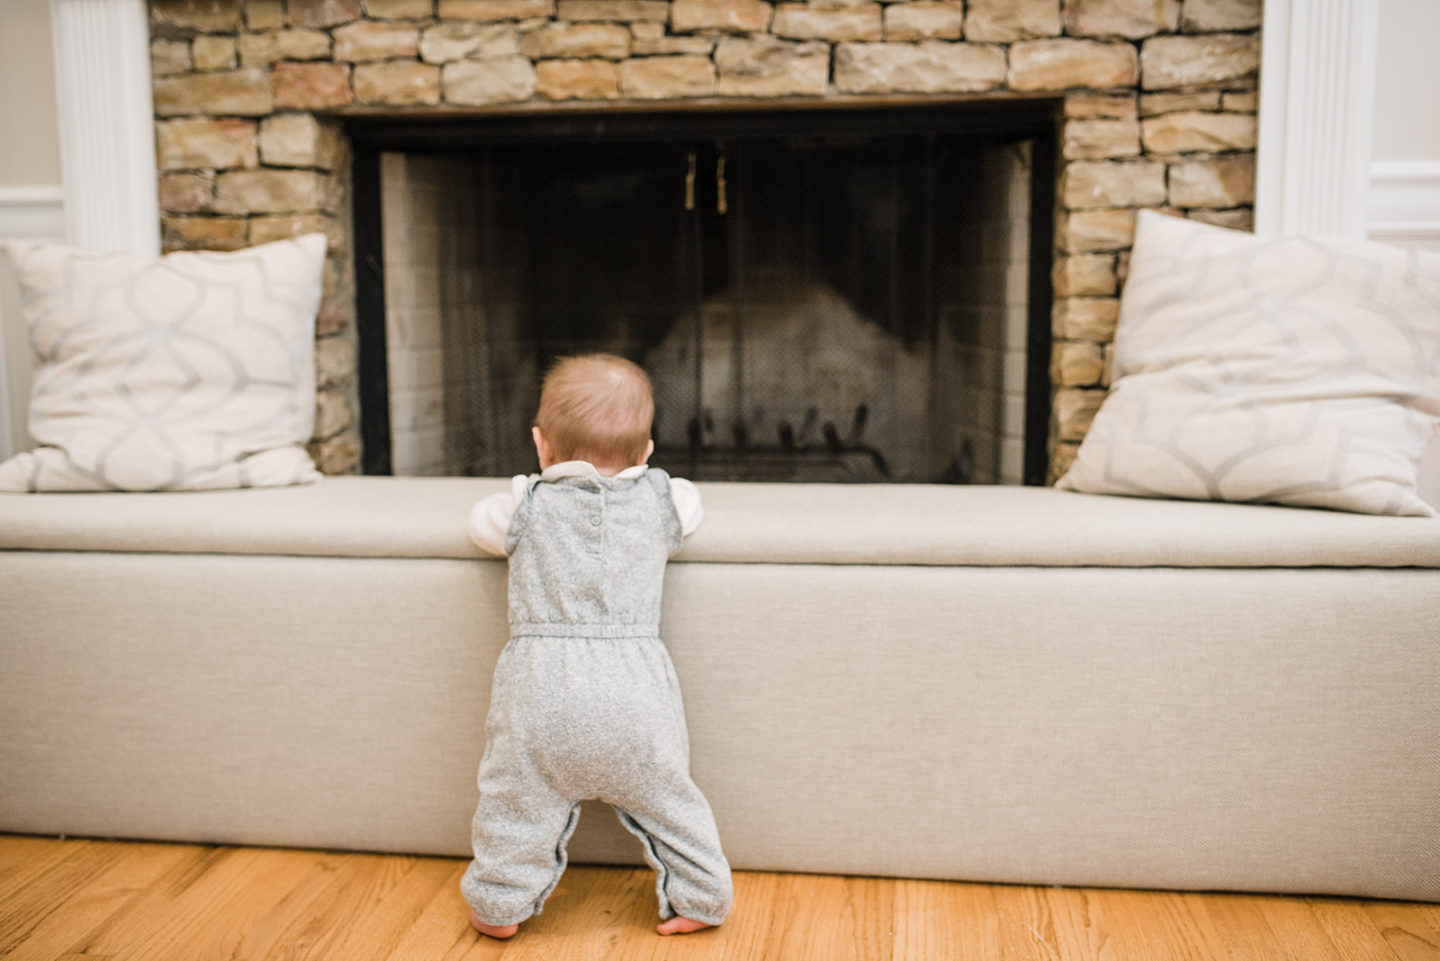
{"points": [[585, 704]]}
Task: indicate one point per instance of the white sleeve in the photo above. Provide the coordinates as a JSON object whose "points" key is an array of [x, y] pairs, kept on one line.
{"points": [[490, 517], [687, 504]]}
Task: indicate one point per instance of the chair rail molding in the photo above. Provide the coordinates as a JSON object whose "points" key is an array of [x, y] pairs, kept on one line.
{"points": [[1317, 98], [106, 123]]}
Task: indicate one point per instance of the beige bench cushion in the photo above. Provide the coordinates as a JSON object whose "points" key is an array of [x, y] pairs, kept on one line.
{"points": [[745, 523]]}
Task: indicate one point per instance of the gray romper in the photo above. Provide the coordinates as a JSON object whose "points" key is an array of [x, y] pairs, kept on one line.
{"points": [[585, 704]]}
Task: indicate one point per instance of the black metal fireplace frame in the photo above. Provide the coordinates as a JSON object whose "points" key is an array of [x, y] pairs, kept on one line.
{"points": [[371, 134]]}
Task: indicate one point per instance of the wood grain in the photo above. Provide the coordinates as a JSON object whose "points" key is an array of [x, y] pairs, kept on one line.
{"points": [[118, 901]]}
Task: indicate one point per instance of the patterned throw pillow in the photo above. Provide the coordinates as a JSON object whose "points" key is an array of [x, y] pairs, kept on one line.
{"points": [[1296, 371], [192, 371]]}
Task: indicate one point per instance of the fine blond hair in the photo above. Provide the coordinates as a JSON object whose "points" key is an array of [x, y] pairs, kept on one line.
{"points": [[597, 407]]}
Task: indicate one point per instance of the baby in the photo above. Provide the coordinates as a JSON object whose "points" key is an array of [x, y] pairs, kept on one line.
{"points": [[585, 703]]}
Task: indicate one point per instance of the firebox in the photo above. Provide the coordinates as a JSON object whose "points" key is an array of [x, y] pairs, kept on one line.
{"points": [[854, 294]]}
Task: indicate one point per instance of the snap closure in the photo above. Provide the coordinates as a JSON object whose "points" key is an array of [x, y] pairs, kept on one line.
{"points": [[595, 520]]}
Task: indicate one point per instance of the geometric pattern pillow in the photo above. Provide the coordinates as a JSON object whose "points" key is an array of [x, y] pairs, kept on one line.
{"points": [[191, 371], [1298, 371]]}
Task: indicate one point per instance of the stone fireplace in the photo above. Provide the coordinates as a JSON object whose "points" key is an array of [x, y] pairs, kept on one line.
{"points": [[260, 107]]}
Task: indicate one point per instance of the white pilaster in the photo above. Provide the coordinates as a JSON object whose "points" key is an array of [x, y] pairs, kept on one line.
{"points": [[1316, 101], [107, 122]]}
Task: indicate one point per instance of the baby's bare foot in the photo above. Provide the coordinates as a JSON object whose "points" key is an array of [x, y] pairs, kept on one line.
{"points": [[502, 932], [679, 925]]}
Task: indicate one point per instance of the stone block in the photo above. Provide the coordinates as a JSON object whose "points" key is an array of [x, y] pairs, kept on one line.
{"points": [[656, 78], [1076, 364], [577, 41], [1082, 105], [311, 86], [263, 230], [399, 9], [270, 191], [764, 67], [1085, 318], [1240, 218], [494, 9], [186, 193], [334, 361], [623, 11], [322, 13], [931, 66], [663, 45], [1167, 63], [1075, 410], [337, 314], [397, 83], [1158, 103], [924, 20], [203, 143], [202, 233], [187, 17], [264, 14], [214, 53], [1061, 460], [502, 80], [337, 455], [448, 42], [1100, 183], [804, 21], [577, 80], [244, 93], [1191, 132], [1064, 63], [1126, 19], [1084, 275], [299, 140], [731, 16], [332, 413], [1100, 138], [374, 40], [263, 49], [1245, 101], [1083, 231], [1213, 16], [1222, 182], [169, 57], [1005, 21]]}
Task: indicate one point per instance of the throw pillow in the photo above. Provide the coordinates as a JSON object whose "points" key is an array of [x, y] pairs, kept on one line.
{"points": [[1301, 371], [190, 371]]}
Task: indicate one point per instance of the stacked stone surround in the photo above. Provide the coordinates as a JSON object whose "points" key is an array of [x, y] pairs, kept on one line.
{"points": [[1159, 112]]}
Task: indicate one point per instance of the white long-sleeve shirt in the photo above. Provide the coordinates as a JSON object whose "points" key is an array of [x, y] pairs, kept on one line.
{"points": [[490, 517]]}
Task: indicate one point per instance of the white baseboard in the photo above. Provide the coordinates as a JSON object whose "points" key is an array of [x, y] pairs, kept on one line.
{"points": [[26, 213], [1404, 205]]}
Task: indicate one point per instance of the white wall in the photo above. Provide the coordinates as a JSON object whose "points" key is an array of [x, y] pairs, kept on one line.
{"points": [[30, 195], [1404, 207]]}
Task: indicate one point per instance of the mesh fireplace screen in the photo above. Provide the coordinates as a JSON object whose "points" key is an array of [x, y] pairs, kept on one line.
{"points": [[814, 308]]}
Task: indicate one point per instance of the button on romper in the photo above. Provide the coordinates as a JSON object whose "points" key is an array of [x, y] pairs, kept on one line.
{"points": [[585, 704]]}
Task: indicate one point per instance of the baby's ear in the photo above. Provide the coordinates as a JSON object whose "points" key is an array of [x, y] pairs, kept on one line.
{"points": [[542, 448], [649, 449]]}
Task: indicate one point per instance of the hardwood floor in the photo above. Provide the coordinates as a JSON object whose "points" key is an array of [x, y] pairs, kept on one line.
{"points": [[109, 901]]}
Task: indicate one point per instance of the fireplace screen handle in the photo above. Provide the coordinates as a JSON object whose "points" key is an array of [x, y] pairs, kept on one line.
{"points": [[690, 184]]}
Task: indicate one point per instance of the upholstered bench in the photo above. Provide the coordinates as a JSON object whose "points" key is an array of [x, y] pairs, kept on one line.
{"points": [[999, 684]]}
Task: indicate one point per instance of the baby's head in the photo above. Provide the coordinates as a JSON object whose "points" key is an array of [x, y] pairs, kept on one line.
{"points": [[598, 408]]}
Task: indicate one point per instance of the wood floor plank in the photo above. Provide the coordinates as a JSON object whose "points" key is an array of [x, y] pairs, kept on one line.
{"points": [[120, 901], [64, 924], [31, 896], [208, 907], [1351, 929], [1411, 934]]}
